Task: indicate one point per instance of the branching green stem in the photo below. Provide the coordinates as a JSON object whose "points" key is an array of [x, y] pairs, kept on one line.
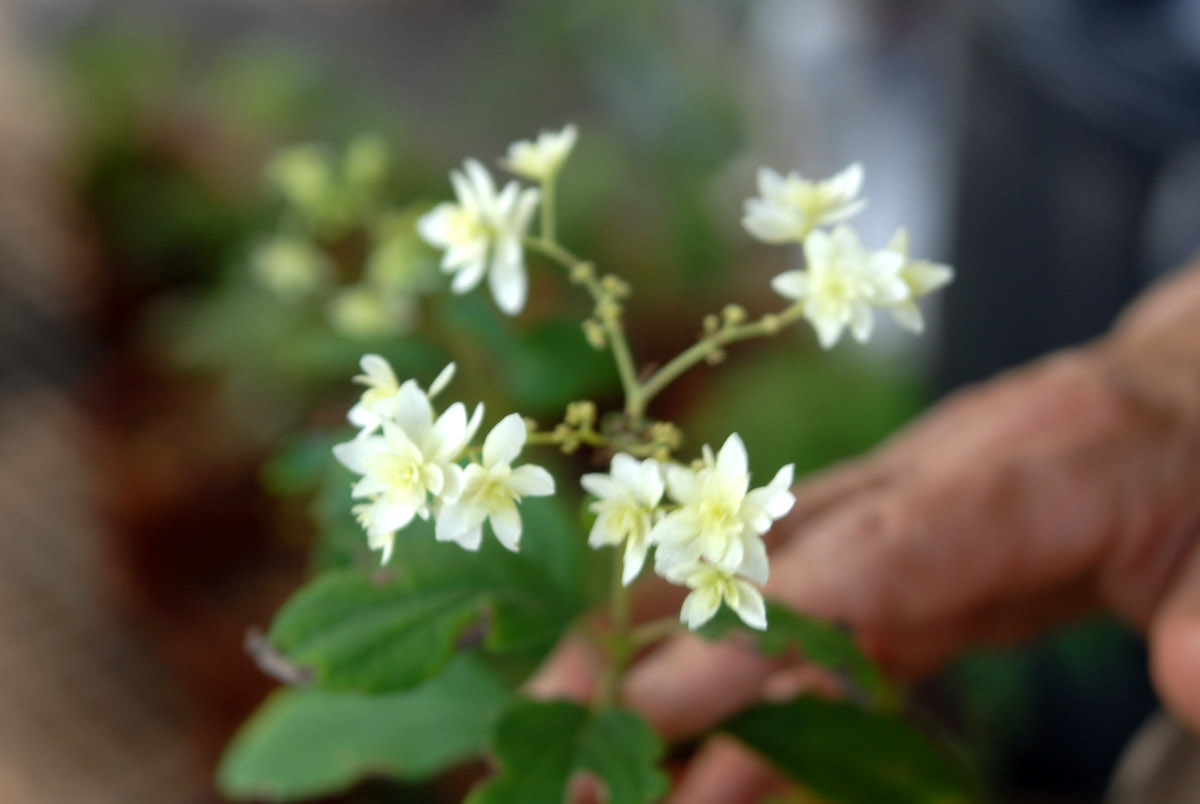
{"points": [[700, 351]]}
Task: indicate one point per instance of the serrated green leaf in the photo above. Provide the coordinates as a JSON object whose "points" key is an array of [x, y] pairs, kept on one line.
{"points": [[820, 642], [309, 742], [850, 755], [358, 633], [540, 746]]}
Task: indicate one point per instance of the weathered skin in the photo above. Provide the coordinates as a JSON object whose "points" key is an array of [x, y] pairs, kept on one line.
{"points": [[1066, 486]]}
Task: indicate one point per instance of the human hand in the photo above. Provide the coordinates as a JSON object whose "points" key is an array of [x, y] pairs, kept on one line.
{"points": [[1066, 486]]}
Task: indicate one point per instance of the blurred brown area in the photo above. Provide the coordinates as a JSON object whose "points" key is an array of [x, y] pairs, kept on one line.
{"points": [[89, 712]]}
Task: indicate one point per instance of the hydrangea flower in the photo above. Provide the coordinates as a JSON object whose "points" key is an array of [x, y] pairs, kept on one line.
{"points": [[719, 519], [922, 277], [627, 503], [842, 283], [712, 585], [791, 206], [540, 160], [481, 234], [491, 490]]}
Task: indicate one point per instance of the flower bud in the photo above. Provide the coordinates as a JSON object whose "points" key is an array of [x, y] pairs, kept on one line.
{"points": [[733, 314], [593, 330]]}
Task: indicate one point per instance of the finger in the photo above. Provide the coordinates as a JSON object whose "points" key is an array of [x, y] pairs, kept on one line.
{"points": [[688, 684], [726, 772], [1175, 643], [569, 672]]}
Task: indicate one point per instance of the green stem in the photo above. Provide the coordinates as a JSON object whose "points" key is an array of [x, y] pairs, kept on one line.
{"points": [[615, 334], [654, 631], [620, 646], [548, 210], [699, 351]]}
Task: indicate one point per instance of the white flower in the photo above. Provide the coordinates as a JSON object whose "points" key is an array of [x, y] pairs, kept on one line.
{"points": [[412, 460], [492, 489], [381, 398], [719, 519], [481, 234], [792, 206], [541, 160], [290, 267], [842, 283], [710, 586], [628, 501], [922, 277]]}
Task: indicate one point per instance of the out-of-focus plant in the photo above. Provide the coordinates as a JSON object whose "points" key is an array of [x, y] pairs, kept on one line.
{"points": [[407, 669]]}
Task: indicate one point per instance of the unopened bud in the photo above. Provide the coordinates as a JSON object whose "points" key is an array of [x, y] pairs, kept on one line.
{"points": [[616, 286], [593, 330], [608, 311], [733, 314], [581, 414], [711, 323], [582, 272], [770, 323], [714, 357]]}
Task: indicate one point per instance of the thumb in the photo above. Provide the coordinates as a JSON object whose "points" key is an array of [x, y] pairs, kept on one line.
{"points": [[1175, 643]]}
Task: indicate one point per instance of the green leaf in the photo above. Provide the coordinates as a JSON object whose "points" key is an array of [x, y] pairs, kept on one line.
{"points": [[847, 754], [820, 642], [357, 633], [308, 742], [387, 630], [540, 746]]}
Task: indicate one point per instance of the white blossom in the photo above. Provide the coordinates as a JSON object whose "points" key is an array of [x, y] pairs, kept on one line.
{"points": [[541, 159], [719, 519], [712, 585], [628, 498], [491, 490], [922, 277], [791, 206], [481, 234], [381, 398], [410, 466], [842, 283]]}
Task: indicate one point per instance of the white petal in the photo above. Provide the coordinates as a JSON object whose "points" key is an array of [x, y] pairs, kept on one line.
{"points": [[387, 517], [771, 185], [829, 330], [925, 277], [908, 315], [413, 412], [770, 223], [681, 483], [481, 183], [506, 524], [650, 483], [603, 533], [531, 481], [862, 321], [507, 278], [448, 436], [675, 528], [435, 226], [699, 607], [473, 424], [351, 453], [602, 486], [755, 564], [749, 604], [732, 461], [635, 559], [468, 276], [849, 181], [503, 444], [452, 482], [460, 523], [442, 380], [791, 284], [899, 242], [377, 372], [818, 250]]}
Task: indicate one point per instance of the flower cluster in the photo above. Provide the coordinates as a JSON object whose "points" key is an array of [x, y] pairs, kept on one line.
{"points": [[410, 462], [481, 233], [707, 533], [843, 283]]}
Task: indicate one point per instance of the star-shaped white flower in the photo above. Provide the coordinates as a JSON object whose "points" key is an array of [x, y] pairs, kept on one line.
{"points": [[712, 585], [791, 206], [481, 234], [541, 159], [922, 277], [410, 462], [720, 520], [629, 495], [379, 400], [492, 489], [842, 284]]}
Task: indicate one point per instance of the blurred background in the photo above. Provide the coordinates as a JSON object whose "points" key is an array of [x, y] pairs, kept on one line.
{"points": [[206, 214]]}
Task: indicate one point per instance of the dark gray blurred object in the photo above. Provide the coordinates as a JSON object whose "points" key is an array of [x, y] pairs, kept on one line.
{"points": [[1075, 110]]}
